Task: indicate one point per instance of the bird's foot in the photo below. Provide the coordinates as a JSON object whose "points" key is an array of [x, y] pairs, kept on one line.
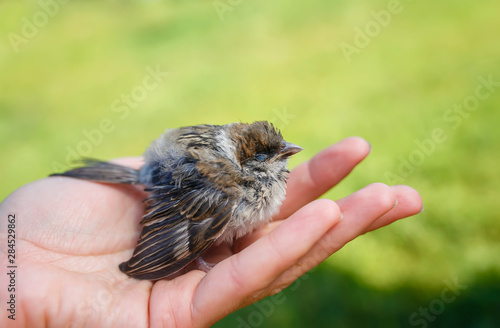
{"points": [[204, 265]]}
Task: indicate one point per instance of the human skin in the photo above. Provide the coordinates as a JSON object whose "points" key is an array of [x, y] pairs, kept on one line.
{"points": [[72, 234]]}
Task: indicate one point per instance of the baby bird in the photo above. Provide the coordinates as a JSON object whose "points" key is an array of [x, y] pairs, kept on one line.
{"points": [[208, 184]]}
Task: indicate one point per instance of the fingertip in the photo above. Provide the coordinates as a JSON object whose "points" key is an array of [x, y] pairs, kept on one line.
{"points": [[360, 144], [351, 150], [386, 197], [410, 198], [134, 162], [316, 176], [345, 155], [328, 208]]}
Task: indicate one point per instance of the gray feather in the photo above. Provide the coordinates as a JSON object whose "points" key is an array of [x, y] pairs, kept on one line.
{"points": [[102, 172]]}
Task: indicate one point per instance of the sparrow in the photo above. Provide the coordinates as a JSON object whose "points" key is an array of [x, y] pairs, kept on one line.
{"points": [[207, 184]]}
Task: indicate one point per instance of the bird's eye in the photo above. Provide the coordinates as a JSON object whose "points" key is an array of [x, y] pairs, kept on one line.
{"points": [[261, 157]]}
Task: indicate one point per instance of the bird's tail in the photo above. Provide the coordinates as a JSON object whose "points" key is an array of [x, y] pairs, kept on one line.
{"points": [[103, 172]]}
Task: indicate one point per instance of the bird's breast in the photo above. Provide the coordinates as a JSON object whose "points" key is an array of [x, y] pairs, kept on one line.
{"points": [[254, 209]]}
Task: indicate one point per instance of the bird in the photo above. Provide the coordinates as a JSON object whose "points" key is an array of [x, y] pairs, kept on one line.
{"points": [[207, 184]]}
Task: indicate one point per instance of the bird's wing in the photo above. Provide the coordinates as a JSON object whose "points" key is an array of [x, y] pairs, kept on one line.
{"points": [[182, 220]]}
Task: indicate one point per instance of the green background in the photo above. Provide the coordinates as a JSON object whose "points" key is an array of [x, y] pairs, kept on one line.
{"points": [[66, 68]]}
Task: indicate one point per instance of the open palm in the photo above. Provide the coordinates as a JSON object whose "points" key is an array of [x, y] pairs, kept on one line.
{"points": [[72, 234]]}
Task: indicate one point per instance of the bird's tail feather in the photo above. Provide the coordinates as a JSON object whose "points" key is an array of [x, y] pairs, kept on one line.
{"points": [[103, 172]]}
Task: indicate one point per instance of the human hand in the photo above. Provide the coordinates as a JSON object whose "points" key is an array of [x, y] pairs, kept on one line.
{"points": [[72, 234]]}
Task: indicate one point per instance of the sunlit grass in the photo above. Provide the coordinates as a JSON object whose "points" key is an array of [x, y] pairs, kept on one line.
{"points": [[275, 57]]}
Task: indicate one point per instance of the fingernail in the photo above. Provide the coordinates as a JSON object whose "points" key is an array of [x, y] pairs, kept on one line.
{"points": [[369, 145], [396, 203], [341, 217], [421, 210]]}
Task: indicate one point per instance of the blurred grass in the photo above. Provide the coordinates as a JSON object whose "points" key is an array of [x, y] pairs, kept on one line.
{"points": [[266, 58]]}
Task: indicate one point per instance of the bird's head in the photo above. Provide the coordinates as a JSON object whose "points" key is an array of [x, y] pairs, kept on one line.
{"points": [[260, 149]]}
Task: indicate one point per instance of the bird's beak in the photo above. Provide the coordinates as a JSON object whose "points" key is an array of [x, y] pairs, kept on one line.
{"points": [[288, 149]]}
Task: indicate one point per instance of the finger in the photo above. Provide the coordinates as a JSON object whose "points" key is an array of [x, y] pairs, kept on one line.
{"points": [[409, 203], [313, 178], [359, 210], [135, 190], [242, 279], [170, 301], [133, 162], [247, 240]]}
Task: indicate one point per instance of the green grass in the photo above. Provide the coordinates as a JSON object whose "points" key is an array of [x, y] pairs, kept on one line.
{"points": [[266, 57]]}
